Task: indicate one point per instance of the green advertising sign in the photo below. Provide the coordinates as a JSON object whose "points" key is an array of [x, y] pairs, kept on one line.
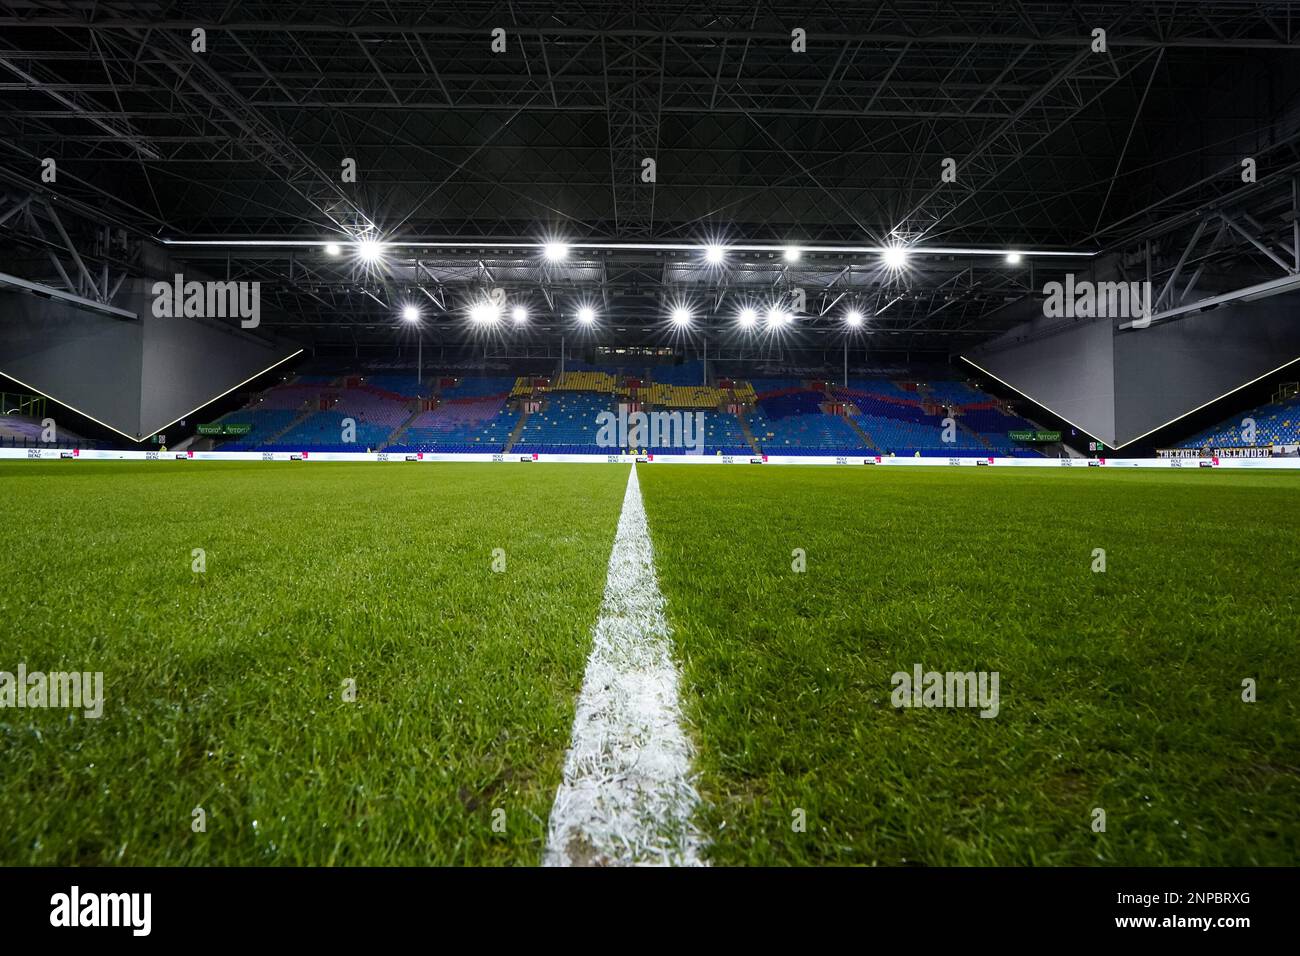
{"points": [[1026, 435], [225, 428]]}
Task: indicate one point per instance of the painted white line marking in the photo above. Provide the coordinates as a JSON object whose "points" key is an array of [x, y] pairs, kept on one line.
{"points": [[627, 797]]}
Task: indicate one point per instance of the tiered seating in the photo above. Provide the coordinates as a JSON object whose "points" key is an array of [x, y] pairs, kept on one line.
{"points": [[688, 373], [460, 425], [16, 432], [814, 433], [901, 436], [567, 425], [897, 423], [955, 393], [405, 385], [1277, 423], [376, 415], [266, 423], [585, 382], [295, 395], [744, 392], [723, 435], [768, 386], [523, 387], [789, 421], [683, 396], [993, 425], [884, 388], [480, 387]]}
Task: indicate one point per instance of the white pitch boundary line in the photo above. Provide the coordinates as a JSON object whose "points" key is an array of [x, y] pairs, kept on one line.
{"points": [[627, 797]]}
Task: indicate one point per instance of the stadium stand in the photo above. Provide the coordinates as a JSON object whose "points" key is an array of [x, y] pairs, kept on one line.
{"points": [[458, 426], [585, 382], [1276, 423], [22, 432], [374, 415], [480, 386], [405, 385], [784, 415], [267, 424], [567, 424], [687, 373], [683, 396]]}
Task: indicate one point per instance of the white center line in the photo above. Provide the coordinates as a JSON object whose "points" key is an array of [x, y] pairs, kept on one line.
{"points": [[627, 797]]}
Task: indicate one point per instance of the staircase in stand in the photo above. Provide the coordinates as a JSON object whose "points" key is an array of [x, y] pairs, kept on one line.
{"points": [[862, 433], [399, 433], [516, 432], [749, 436]]}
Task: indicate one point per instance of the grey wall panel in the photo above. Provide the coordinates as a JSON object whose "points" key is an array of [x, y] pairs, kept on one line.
{"points": [[1064, 365], [1119, 386], [136, 376], [189, 362], [84, 359], [1173, 368]]}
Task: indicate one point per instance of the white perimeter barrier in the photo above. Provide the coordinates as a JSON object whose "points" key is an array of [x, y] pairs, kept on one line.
{"points": [[313, 456]]}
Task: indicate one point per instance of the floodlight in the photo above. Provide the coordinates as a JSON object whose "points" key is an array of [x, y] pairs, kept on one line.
{"points": [[777, 316], [484, 313], [895, 257]]}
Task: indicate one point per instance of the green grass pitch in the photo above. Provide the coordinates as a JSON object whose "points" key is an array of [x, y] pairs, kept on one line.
{"points": [[224, 689]]}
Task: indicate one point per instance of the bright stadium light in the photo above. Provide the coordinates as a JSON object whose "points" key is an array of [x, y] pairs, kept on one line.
{"points": [[555, 251], [332, 249], [777, 317], [895, 257], [519, 314], [370, 250], [792, 254], [411, 314], [1013, 258], [681, 317], [484, 313], [586, 315], [747, 318], [853, 319], [714, 254]]}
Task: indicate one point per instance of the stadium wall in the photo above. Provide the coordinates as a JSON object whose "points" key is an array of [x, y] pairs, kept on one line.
{"points": [[136, 376], [1120, 386]]}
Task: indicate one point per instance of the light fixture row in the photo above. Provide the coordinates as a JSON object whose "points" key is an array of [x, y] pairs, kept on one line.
{"points": [[894, 257], [775, 316]]}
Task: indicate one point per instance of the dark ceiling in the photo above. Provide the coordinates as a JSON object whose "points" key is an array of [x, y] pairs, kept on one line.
{"points": [[1057, 147]]}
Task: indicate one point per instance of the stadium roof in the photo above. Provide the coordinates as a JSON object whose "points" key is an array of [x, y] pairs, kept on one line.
{"points": [[470, 155]]}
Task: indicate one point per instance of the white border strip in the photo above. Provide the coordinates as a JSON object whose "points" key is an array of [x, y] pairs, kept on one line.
{"points": [[627, 798], [320, 456]]}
